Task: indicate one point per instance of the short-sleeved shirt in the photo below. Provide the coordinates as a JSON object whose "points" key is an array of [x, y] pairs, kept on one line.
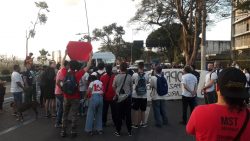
{"points": [[210, 76], [117, 83], [78, 76], [135, 79], [16, 77], [83, 86], [215, 122], [190, 81], [96, 87], [60, 77]]}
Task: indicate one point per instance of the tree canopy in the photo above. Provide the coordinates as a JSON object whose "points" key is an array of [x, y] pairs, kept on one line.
{"points": [[186, 12]]}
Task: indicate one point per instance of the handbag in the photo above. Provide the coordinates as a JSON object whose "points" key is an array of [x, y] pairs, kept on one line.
{"points": [[237, 138]]}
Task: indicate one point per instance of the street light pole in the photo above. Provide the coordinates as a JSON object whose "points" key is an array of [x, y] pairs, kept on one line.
{"points": [[86, 13], [131, 49]]}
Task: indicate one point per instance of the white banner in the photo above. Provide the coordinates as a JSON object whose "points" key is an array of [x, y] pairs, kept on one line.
{"points": [[173, 77]]}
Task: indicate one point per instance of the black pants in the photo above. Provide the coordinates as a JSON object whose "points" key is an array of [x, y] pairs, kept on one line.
{"points": [[123, 111], [106, 105], [42, 89], [187, 101], [2, 93], [210, 97]]}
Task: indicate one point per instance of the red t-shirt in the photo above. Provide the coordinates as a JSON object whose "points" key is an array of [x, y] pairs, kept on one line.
{"points": [[110, 93], [78, 75], [216, 123]]}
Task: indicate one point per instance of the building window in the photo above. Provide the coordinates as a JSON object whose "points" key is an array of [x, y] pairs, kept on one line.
{"points": [[247, 26]]}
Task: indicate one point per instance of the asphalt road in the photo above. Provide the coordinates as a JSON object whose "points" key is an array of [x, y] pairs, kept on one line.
{"points": [[43, 129]]}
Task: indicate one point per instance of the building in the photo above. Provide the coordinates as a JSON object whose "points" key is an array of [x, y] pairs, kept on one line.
{"points": [[240, 31], [56, 55], [217, 47]]}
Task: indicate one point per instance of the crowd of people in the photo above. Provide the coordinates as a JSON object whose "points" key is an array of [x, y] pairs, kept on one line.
{"points": [[76, 89]]}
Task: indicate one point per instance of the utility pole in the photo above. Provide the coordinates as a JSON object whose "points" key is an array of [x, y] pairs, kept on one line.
{"points": [[86, 13], [203, 43]]}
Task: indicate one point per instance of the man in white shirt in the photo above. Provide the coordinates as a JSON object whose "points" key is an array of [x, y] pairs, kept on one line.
{"points": [[17, 86], [139, 96], [209, 89], [189, 88]]}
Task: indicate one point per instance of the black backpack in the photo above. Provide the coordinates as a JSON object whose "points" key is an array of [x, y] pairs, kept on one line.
{"points": [[162, 85], [70, 85], [141, 87]]}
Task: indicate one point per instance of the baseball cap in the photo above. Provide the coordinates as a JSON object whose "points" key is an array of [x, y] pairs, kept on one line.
{"points": [[232, 83]]}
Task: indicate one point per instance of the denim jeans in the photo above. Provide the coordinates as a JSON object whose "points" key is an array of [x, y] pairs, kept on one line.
{"points": [[18, 98], [191, 101], [94, 112], [59, 109], [81, 106], [160, 112]]}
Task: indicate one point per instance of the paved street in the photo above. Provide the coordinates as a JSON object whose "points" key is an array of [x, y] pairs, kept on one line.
{"points": [[43, 129]]}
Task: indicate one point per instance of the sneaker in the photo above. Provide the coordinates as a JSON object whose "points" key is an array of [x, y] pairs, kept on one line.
{"points": [[73, 134], [58, 125], [100, 132], [144, 125], [129, 133], [117, 134], [90, 133], [63, 133], [135, 126]]}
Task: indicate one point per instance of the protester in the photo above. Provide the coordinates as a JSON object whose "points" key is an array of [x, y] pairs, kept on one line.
{"points": [[107, 80], [94, 114], [29, 59], [100, 71], [246, 72], [159, 96], [17, 87], [189, 92], [29, 83], [217, 67], [72, 94], [123, 87], [2, 93], [50, 77], [83, 86], [227, 120], [195, 73], [42, 85], [209, 88], [59, 93], [235, 64], [139, 97]]}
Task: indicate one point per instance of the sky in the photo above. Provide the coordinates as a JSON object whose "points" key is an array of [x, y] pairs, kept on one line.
{"points": [[67, 18]]}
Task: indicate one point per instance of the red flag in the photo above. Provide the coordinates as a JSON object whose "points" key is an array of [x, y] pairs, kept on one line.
{"points": [[79, 50]]}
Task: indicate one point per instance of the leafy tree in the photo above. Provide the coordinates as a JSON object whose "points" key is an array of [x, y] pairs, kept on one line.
{"points": [[40, 19], [43, 58], [243, 4], [187, 12], [168, 42]]}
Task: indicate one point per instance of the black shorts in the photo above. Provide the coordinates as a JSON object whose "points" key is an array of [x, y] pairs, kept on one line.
{"points": [[139, 103]]}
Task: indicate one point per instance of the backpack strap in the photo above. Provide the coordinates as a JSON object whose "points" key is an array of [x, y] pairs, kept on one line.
{"points": [[123, 82], [237, 138]]}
